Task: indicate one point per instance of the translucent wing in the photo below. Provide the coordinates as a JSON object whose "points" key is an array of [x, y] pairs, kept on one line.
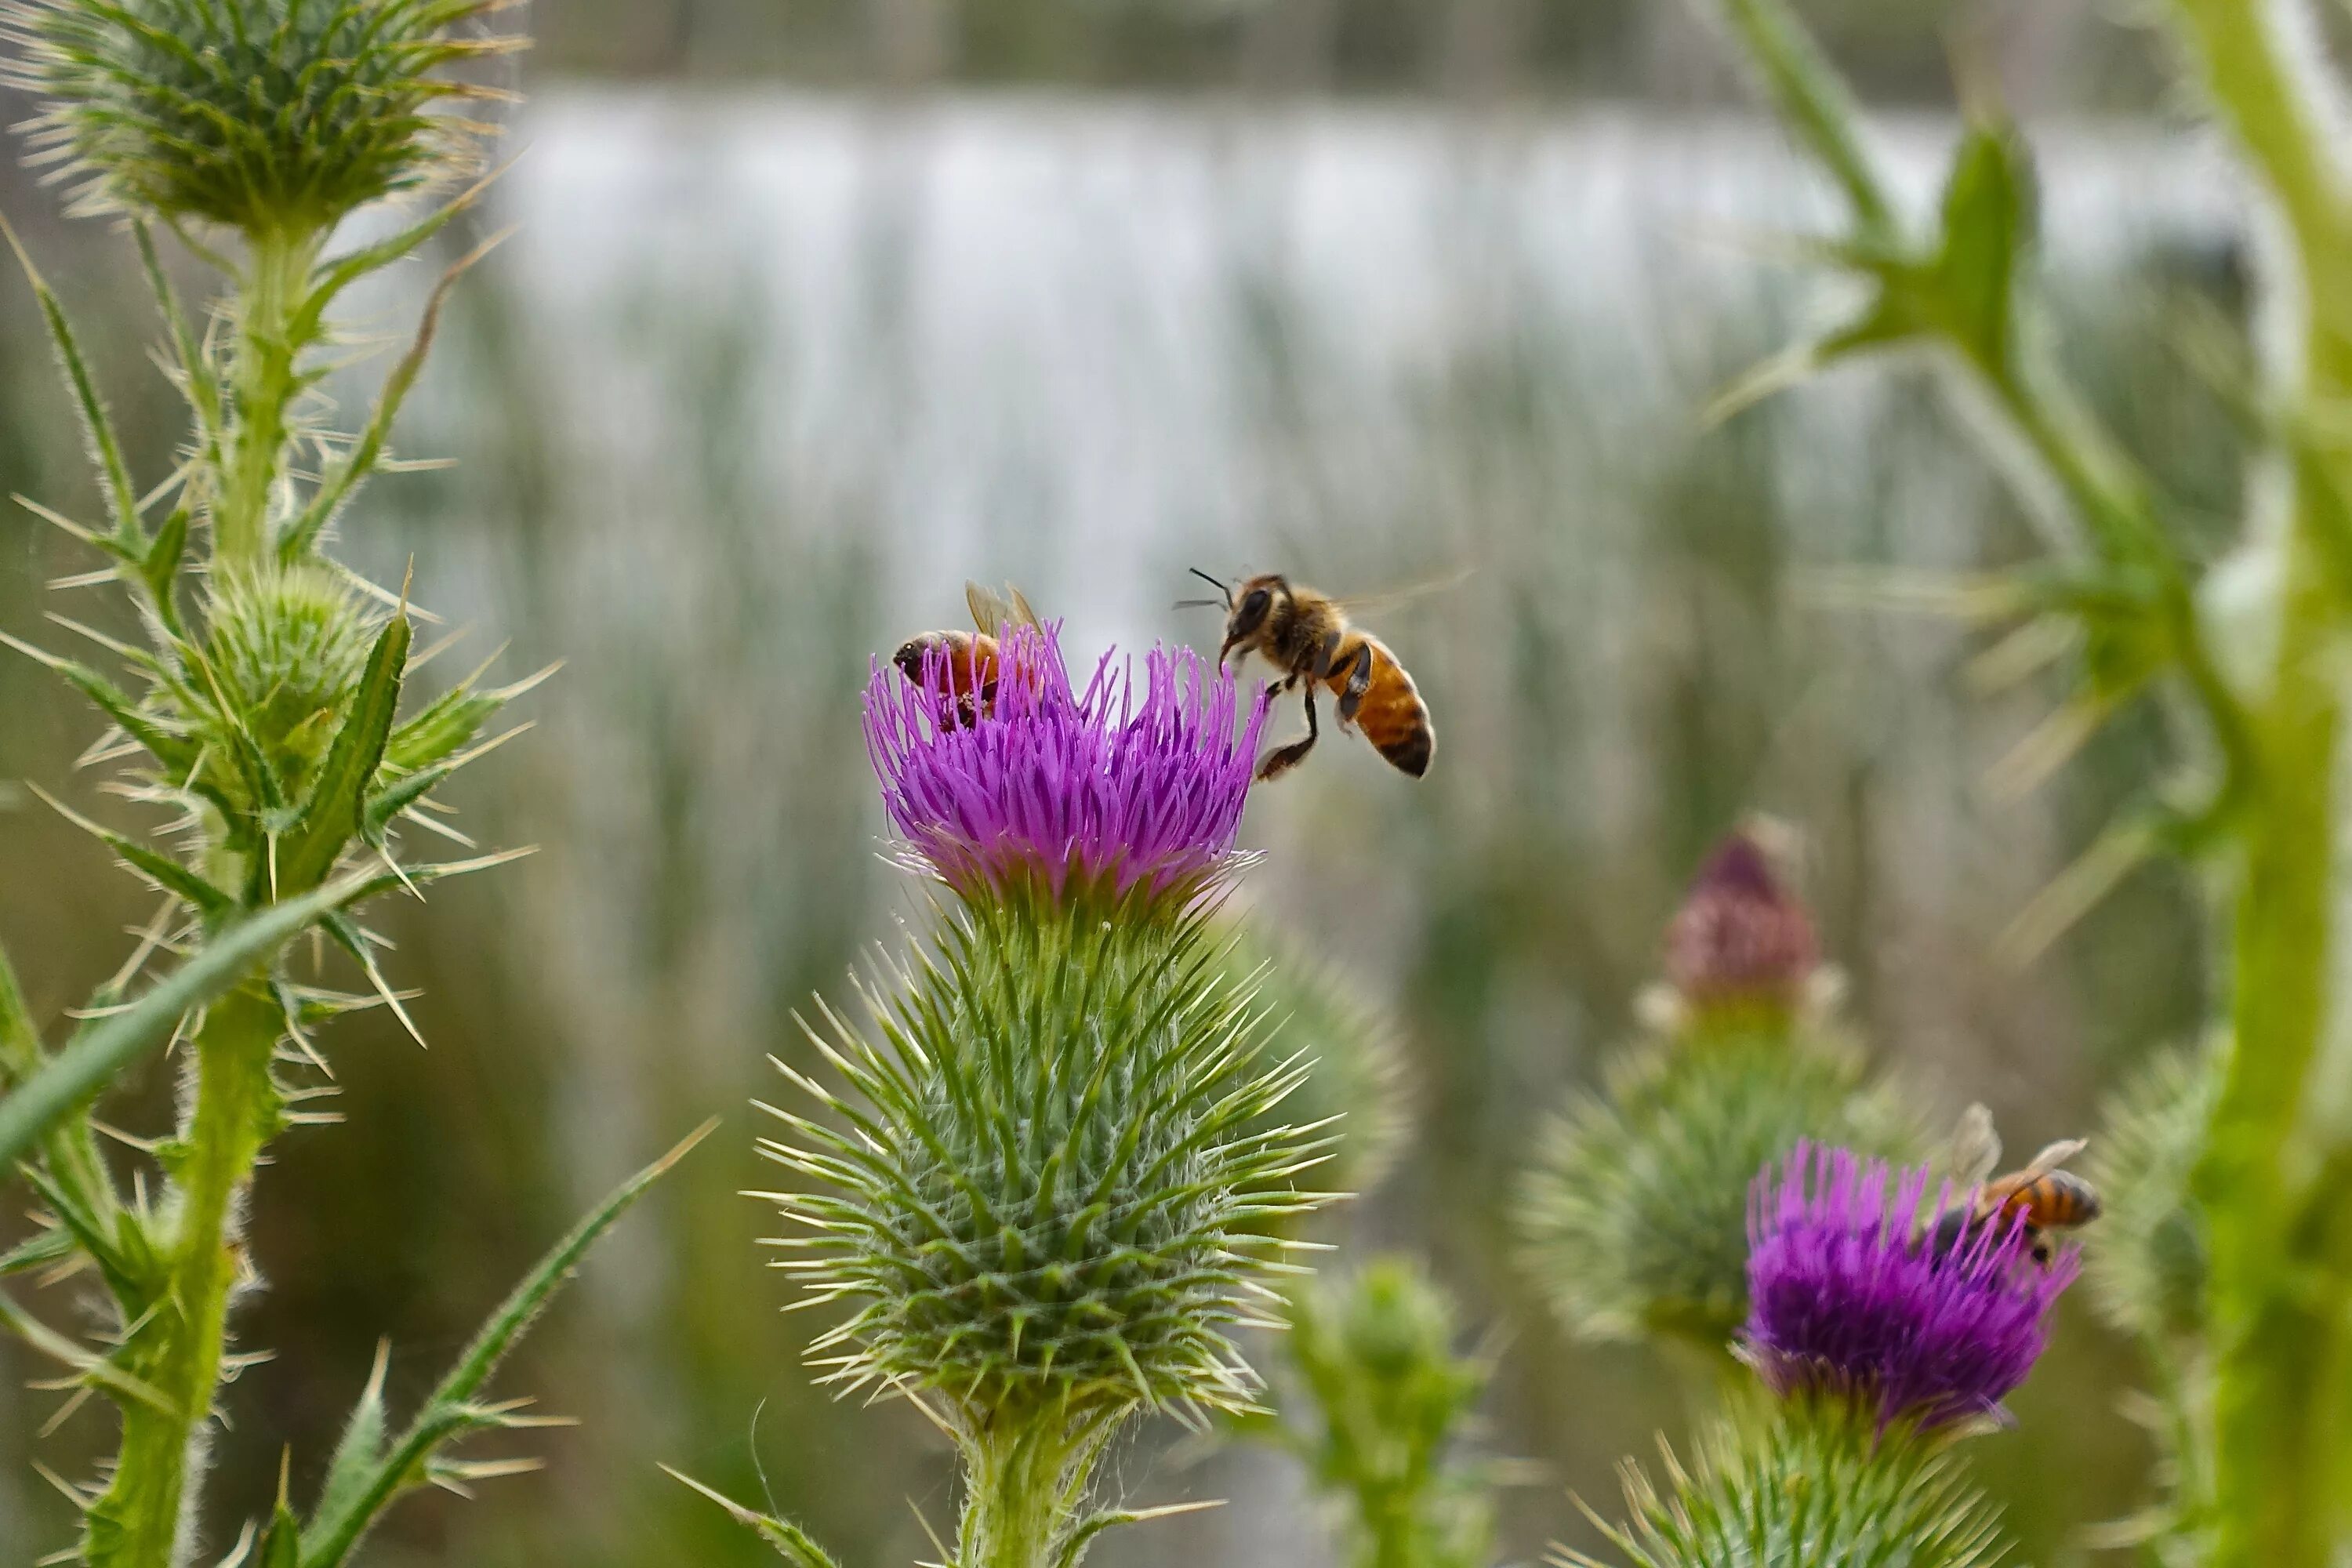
{"points": [[992, 612], [2051, 1157], [1390, 598], [1976, 1147]]}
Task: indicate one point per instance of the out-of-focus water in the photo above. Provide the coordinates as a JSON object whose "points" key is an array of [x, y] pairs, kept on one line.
{"points": [[759, 383]]}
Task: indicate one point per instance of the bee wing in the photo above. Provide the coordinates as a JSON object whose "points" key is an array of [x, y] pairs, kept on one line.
{"points": [[1390, 598], [1976, 1147], [992, 612], [2051, 1157]]}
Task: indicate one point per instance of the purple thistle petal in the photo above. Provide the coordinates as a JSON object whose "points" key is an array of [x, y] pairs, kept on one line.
{"points": [[1108, 788], [1853, 1291]]}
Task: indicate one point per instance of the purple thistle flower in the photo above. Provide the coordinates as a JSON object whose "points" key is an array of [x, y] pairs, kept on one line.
{"points": [[1853, 1291], [1108, 789]]}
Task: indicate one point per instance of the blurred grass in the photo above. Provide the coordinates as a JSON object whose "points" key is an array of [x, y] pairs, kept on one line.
{"points": [[753, 393]]}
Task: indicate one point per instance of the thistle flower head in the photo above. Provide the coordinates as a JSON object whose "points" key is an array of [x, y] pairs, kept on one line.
{"points": [[2147, 1274], [1740, 937], [1114, 789], [1634, 1217], [267, 115], [1807, 1483], [1048, 1189], [1855, 1293]]}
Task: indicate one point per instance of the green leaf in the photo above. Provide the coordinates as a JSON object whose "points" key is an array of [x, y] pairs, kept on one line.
{"points": [[361, 1448], [335, 813], [160, 571], [214, 903], [282, 1546], [97, 425], [450, 1413], [792, 1542], [174, 751], [346, 476], [1988, 222], [104, 1046]]}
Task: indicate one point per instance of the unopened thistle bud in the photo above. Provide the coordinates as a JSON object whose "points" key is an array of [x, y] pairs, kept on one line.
{"points": [[1741, 939], [270, 116], [1634, 1217], [285, 647]]}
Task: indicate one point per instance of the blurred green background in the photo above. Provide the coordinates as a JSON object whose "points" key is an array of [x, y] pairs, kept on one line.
{"points": [[818, 309]]}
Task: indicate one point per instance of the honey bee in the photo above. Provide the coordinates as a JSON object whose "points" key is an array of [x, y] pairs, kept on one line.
{"points": [[1307, 636], [2048, 1197], [969, 658]]}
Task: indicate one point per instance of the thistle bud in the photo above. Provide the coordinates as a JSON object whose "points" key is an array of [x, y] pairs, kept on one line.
{"points": [[286, 646], [1741, 940], [2147, 1274], [270, 116], [1803, 1485]]}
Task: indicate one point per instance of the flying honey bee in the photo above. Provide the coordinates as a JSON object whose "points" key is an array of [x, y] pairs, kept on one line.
{"points": [[1307, 636], [2049, 1197], [969, 658]]}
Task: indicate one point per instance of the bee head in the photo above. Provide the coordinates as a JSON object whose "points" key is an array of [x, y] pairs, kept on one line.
{"points": [[1254, 603]]}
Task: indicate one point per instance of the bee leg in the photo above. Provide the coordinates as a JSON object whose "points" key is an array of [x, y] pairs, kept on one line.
{"points": [[1359, 680], [1283, 759]]}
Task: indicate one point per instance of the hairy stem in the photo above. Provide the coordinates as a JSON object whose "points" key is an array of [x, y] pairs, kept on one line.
{"points": [[2270, 1178], [1024, 1482], [147, 1518], [264, 379]]}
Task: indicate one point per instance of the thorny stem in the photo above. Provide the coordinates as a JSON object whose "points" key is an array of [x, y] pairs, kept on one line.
{"points": [[264, 380], [1024, 1482], [147, 1518], [2272, 1178]]}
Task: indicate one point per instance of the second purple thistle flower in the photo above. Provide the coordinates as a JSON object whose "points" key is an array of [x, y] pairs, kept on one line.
{"points": [[1853, 1293], [1124, 784]]}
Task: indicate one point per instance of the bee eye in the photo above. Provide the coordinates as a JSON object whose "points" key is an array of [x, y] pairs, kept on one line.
{"points": [[1254, 605]]}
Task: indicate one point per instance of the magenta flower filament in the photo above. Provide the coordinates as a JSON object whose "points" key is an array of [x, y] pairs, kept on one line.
{"points": [[1121, 786], [1853, 1292]]}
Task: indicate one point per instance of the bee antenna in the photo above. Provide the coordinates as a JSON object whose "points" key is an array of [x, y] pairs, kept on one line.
{"points": [[1224, 589]]}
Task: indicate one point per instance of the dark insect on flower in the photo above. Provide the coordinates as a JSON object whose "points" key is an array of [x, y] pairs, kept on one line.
{"points": [[1111, 788], [1849, 1296], [1740, 936]]}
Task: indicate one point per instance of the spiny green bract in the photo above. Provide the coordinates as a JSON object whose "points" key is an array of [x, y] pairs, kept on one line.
{"points": [[287, 645], [1052, 1172], [2146, 1267], [272, 116], [1805, 1487], [1356, 1071], [1389, 1396], [1634, 1218]]}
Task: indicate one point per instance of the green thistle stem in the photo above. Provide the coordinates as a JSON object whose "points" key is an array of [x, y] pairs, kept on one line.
{"points": [[1025, 1480], [147, 1518], [265, 378], [2272, 1179]]}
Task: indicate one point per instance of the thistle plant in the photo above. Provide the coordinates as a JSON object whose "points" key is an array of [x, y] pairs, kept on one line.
{"points": [[1633, 1218], [263, 721], [1375, 1404], [2241, 657], [1048, 1165], [1885, 1338]]}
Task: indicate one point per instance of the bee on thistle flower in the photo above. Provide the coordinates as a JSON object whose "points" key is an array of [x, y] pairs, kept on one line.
{"points": [[1849, 1299], [1055, 1172]]}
